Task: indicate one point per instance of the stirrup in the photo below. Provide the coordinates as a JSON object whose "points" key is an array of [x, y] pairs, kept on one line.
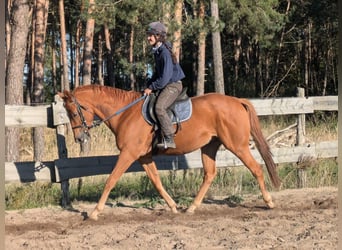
{"points": [[167, 142]]}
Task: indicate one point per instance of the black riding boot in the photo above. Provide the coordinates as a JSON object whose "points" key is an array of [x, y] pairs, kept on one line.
{"points": [[168, 142]]}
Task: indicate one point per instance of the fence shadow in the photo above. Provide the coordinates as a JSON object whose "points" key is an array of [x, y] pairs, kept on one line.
{"points": [[30, 171]]}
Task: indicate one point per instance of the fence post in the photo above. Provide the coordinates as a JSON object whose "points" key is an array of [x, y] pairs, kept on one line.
{"points": [[63, 153], [60, 120], [300, 140]]}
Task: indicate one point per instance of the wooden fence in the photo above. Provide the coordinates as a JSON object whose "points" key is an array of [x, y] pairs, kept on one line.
{"points": [[64, 168]]}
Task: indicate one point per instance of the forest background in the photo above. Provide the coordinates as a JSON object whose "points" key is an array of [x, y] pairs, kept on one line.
{"points": [[241, 48]]}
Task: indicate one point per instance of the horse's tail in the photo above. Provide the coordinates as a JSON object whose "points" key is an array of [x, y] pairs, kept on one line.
{"points": [[261, 143]]}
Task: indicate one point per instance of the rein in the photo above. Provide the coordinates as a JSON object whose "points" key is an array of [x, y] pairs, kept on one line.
{"points": [[98, 122]]}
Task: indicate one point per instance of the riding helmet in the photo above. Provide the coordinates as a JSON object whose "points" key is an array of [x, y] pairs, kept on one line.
{"points": [[156, 28]]}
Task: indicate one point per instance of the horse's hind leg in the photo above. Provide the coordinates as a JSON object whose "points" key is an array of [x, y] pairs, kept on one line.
{"points": [[208, 154], [152, 172], [246, 157]]}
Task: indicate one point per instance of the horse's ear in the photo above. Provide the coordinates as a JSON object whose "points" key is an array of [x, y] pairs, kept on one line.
{"points": [[64, 95]]}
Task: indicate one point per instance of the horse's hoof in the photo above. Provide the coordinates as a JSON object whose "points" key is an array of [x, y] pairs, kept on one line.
{"points": [[191, 210], [270, 204], [93, 216], [174, 210]]}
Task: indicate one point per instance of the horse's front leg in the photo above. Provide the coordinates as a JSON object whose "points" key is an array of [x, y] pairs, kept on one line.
{"points": [[152, 173], [123, 163]]}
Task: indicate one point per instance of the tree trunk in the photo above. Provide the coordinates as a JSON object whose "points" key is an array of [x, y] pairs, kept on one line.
{"points": [[39, 50], [71, 60], [88, 46], [217, 54], [65, 80], [109, 57], [107, 37], [77, 53], [30, 64], [305, 61], [237, 53], [38, 95], [53, 66], [38, 87], [194, 64], [309, 53], [330, 55], [259, 85], [87, 61], [201, 50], [8, 28], [325, 80], [267, 68], [21, 21], [130, 59], [100, 61], [110, 69], [178, 32]]}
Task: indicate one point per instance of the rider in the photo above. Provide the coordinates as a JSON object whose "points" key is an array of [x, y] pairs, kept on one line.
{"points": [[166, 78]]}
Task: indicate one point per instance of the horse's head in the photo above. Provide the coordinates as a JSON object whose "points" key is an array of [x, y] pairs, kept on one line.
{"points": [[80, 117]]}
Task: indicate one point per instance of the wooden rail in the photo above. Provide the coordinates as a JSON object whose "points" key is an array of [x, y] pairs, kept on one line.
{"points": [[69, 168]]}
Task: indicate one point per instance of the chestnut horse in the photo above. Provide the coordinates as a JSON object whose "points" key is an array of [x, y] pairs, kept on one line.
{"points": [[216, 120]]}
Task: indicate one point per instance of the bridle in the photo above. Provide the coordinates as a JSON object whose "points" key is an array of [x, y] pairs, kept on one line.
{"points": [[96, 123], [83, 124]]}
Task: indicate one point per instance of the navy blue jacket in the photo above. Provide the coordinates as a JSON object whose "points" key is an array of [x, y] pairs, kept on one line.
{"points": [[165, 70]]}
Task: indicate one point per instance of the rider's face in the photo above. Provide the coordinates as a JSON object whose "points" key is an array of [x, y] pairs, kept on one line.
{"points": [[152, 39]]}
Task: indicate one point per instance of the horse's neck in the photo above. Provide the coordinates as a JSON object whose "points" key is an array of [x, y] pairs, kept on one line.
{"points": [[109, 102]]}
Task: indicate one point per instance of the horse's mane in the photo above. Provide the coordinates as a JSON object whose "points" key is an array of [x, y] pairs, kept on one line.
{"points": [[112, 93]]}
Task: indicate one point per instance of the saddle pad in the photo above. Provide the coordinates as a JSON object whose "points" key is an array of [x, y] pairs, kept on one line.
{"points": [[183, 110]]}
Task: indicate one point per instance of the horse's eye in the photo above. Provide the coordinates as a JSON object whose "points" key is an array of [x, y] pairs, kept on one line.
{"points": [[73, 115]]}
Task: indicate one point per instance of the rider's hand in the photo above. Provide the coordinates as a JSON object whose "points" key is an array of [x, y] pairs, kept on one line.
{"points": [[147, 91]]}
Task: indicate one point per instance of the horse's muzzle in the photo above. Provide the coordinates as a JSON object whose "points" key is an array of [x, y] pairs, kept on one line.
{"points": [[82, 137]]}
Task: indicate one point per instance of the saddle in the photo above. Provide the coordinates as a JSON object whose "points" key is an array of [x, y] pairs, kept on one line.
{"points": [[179, 111]]}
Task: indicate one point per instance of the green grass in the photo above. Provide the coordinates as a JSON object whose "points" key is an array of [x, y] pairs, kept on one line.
{"points": [[232, 183], [318, 174], [31, 195]]}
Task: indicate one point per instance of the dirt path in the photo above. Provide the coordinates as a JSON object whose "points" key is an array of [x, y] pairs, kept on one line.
{"points": [[303, 219]]}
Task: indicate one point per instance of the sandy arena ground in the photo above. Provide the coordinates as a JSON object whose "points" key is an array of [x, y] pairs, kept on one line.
{"points": [[303, 219]]}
